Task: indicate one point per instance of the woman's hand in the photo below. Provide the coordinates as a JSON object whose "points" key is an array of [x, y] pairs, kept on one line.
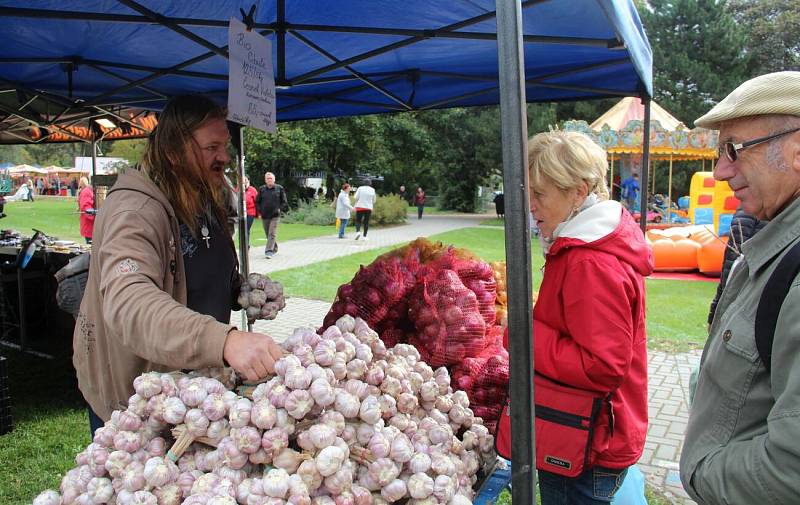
{"points": [[251, 354]]}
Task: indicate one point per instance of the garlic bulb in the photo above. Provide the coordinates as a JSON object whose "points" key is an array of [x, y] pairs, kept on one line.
{"points": [[401, 449], [310, 475], [170, 494], [247, 439], [340, 481], [394, 491], [99, 490], [147, 385], [322, 435], [276, 483], [239, 415], [193, 394], [298, 403], [218, 429], [288, 459], [297, 378], [329, 460], [214, 407], [420, 486], [324, 352], [263, 415], [384, 471], [174, 410], [274, 440], [48, 497], [322, 392], [347, 404], [159, 471], [196, 422], [419, 463]]}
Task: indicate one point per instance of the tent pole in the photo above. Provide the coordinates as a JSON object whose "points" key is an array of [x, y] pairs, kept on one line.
{"points": [[611, 180], [654, 177], [645, 164], [94, 171], [669, 192], [244, 239], [518, 247]]}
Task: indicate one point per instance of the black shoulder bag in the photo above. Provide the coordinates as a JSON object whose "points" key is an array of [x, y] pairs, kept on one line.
{"points": [[771, 301]]}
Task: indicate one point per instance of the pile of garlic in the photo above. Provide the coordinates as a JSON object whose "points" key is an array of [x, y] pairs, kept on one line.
{"points": [[261, 297], [344, 422]]}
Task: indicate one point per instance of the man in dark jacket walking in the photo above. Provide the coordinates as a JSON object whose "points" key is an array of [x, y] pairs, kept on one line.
{"points": [[270, 202]]}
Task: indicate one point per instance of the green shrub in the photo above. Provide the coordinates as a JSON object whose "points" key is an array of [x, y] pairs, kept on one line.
{"points": [[316, 213], [389, 209]]}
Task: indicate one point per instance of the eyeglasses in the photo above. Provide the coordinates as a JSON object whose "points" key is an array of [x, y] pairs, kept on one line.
{"points": [[731, 150]]}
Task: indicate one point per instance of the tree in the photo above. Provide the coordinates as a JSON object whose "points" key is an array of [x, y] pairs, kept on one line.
{"points": [[773, 27], [699, 54], [129, 150]]}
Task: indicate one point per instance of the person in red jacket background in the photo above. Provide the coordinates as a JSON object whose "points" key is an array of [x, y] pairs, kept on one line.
{"points": [[250, 194], [86, 206], [589, 319]]}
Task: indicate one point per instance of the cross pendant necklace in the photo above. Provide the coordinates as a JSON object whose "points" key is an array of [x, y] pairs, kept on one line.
{"points": [[206, 236]]}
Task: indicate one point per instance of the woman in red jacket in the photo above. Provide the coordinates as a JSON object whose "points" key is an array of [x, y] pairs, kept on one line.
{"points": [[86, 206], [250, 194], [589, 319]]}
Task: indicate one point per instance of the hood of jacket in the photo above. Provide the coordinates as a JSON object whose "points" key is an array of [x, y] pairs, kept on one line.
{"points": [[136, 180], [606, 226]]}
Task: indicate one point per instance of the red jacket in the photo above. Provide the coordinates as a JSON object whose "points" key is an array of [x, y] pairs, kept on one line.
{"points": [[250, 195], [589, 319], [85, 202]]}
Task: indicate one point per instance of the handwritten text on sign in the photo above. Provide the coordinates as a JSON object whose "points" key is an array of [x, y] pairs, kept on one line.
{"points": [[251, 82]]}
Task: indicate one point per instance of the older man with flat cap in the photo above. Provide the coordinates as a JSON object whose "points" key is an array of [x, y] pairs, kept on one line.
{"points": [[742, 443]]}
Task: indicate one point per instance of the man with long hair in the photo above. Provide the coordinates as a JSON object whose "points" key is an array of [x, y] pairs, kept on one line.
{"points": [[164, 275]]}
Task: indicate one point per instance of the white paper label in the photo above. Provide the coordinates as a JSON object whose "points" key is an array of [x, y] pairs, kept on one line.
{"points": [[251, 82]]}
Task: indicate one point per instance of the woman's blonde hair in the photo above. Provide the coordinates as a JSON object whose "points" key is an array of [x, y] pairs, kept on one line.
{"points": [[180, 177], [566, 159], [83, 182]]}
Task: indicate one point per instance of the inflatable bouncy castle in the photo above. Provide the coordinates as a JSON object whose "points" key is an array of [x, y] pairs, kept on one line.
{"points": [[711, 202]]}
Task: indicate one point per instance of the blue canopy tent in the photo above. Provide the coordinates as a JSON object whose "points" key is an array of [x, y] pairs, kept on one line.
{"points": [[67, 61]]}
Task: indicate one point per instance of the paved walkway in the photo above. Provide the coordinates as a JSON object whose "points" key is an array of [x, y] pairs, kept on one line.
{"points": [[668, 373], [313, 250]]}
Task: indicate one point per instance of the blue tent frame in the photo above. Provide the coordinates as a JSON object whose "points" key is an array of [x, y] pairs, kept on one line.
{"points": [[69, 62]]}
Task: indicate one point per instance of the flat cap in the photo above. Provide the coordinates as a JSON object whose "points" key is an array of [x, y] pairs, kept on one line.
{"points": [[776, 93]]}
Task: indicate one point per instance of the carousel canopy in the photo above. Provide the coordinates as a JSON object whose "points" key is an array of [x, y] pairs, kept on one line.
{"points": [[621, 128]]}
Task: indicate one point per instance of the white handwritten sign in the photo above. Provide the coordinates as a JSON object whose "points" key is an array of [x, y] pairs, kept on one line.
{"points": [[251, 82]]}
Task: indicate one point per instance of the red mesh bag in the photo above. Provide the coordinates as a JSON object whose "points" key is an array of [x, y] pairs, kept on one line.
{"points": [[446, 316], [374, 291]]}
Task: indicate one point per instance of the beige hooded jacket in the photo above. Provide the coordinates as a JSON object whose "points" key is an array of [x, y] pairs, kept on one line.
{"points": [[133, 317]]}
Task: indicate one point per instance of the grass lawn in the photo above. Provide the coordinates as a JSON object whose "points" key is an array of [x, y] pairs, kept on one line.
{"points": [[58, 217]]}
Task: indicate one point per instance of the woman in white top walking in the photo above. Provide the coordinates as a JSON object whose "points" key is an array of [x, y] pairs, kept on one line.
{"points": [[365, 201], [343, 208]]}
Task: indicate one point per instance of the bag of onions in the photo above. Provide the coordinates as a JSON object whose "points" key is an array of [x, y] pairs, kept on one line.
{"points": [[261, 297], [344, 421]]}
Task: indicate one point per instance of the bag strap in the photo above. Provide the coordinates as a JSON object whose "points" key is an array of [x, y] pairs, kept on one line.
{"points": [[769, 306]]}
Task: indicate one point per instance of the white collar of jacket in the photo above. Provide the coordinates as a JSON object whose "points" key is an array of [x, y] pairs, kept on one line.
{"points": [[594, 220]]}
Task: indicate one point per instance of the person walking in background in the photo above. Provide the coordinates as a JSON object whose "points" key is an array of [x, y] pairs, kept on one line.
{"points": [[250, 195], [73, 187], [630, 192], [343, 208], [365, 202], [419, 201], [86, 206], [270, 202], [741, 439], [403, 194], [499, 204]]}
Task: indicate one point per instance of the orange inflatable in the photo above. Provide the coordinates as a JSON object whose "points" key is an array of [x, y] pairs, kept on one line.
{"points": [[687, 248], [675, 255]]}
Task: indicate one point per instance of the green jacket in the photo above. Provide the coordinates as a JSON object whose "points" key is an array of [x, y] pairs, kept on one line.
{"points": [[742, 443]]}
